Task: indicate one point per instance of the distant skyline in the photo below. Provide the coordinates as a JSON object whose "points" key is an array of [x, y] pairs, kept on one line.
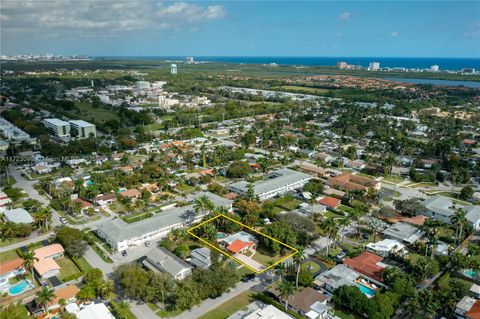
{"points": [[242, 28]]}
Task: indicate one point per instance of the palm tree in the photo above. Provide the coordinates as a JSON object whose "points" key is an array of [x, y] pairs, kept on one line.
{"points": [[9, 230], [458, 219], [203, 204], [122, 309], [331, 230], [355, 217], [281, 270], [105, 289], [343, 222], [44, 297], [286, 290], [250, 192], [430, 227], [299, 258], [28, 261]]}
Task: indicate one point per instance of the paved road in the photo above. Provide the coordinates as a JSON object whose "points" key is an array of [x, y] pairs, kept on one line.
{"points": [[27, 185]]}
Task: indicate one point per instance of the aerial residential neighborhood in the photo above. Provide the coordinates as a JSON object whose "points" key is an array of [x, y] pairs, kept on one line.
{"points": [[326, 167]]}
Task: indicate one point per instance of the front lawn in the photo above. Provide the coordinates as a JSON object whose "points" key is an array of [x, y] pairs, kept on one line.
{"points": [[8, 255], [310, 264], [68, 268], [229, 307]]}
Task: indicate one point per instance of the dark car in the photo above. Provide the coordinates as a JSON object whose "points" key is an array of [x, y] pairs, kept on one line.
{"points": [[248, 277], [124, 253]]}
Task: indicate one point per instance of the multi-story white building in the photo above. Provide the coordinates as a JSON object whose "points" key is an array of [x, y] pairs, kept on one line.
{"points": [[374, 66], [173, 69], [59, 128], [434, 68], [278, 183], [83, 129], [121, 235]]}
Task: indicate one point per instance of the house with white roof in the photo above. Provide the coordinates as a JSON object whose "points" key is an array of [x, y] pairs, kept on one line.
{"points": [[17, 216], [386, 247]]}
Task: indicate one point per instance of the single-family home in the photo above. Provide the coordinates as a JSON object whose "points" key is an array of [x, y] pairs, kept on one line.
{"points": [[403, 232], [41, 169], [201, 258], [90, 311], [4, 201], [161, 260], [9, 269], [468, 308], [131, 193], [117, 156], [330, 201], [44, 264], [302, 300], [67, 293], [84, 205], [241, 247], [386, 247], [17, 216], [104, 200], [367, 264]]}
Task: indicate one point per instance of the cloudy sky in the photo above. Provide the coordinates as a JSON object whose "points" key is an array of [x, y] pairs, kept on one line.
{"points": [[241, 28]]}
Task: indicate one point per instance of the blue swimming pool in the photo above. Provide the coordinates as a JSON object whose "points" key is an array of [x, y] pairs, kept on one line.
{"points": [[366, 290], [20, 287], [221, 235], [470, 273]]}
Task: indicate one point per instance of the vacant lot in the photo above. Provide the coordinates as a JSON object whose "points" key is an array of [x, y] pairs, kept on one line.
{"points": [[292, 88], [230, 307]]}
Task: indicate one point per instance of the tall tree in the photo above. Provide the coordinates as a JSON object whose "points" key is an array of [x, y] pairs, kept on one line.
{"points": [[286, 289], [45, 296]]}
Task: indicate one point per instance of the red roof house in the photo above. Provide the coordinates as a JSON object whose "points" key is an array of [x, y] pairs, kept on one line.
{"points": [[330, 201], [367, 264], [239, 246]]}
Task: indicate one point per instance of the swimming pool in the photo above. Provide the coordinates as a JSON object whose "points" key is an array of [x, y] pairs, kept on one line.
{"points": [[470, 273], [20, 287], [221, 235], [366, 290]]}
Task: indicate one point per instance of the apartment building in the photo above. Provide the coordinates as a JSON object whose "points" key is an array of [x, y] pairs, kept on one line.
{"points": [[83, 128], [58, 128]]}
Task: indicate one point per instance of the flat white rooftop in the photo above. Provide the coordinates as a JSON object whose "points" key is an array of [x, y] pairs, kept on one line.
{"points": [[81, 123], [56, 122]]}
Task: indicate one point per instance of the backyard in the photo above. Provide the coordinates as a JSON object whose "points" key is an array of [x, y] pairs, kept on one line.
{"points": [[68, 269]]}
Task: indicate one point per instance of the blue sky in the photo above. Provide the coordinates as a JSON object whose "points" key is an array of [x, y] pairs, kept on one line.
{"points": [[242, 28]]}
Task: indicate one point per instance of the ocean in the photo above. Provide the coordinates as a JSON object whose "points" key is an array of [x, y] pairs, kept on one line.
{"points": [[452, 64]]}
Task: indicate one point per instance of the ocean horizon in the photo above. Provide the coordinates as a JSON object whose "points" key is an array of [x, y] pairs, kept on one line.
{"points": [[452, 64]]}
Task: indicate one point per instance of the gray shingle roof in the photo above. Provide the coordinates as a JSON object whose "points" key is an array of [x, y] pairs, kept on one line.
{"points": [[164, 261], [439, 205], [18, 215]]}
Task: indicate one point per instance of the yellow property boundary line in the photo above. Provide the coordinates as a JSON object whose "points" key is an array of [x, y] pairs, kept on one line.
{"points": [[190, 231]]}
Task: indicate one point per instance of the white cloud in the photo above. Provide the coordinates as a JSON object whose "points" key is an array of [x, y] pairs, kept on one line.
{"points": [[394, 33], [345, 16], [101, 18]]}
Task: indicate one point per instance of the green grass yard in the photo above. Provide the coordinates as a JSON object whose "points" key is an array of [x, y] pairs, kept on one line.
{"points": [[8, 255], [229, 307], [68, 268], [313, 266]]}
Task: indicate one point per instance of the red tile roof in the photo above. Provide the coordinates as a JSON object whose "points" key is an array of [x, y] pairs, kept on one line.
{"points": [[10, 265], [330, 201], [474, 312], [366, 264], [238, 245], [83, 202]]}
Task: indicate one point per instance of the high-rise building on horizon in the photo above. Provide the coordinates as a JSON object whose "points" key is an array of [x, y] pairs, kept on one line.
{"points": [[434, 68], [173, 69], [374, 66]]}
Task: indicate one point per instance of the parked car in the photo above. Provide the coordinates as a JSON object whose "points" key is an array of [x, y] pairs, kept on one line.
{"points": [[147, 244], [124, 253], [63, 220]]}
